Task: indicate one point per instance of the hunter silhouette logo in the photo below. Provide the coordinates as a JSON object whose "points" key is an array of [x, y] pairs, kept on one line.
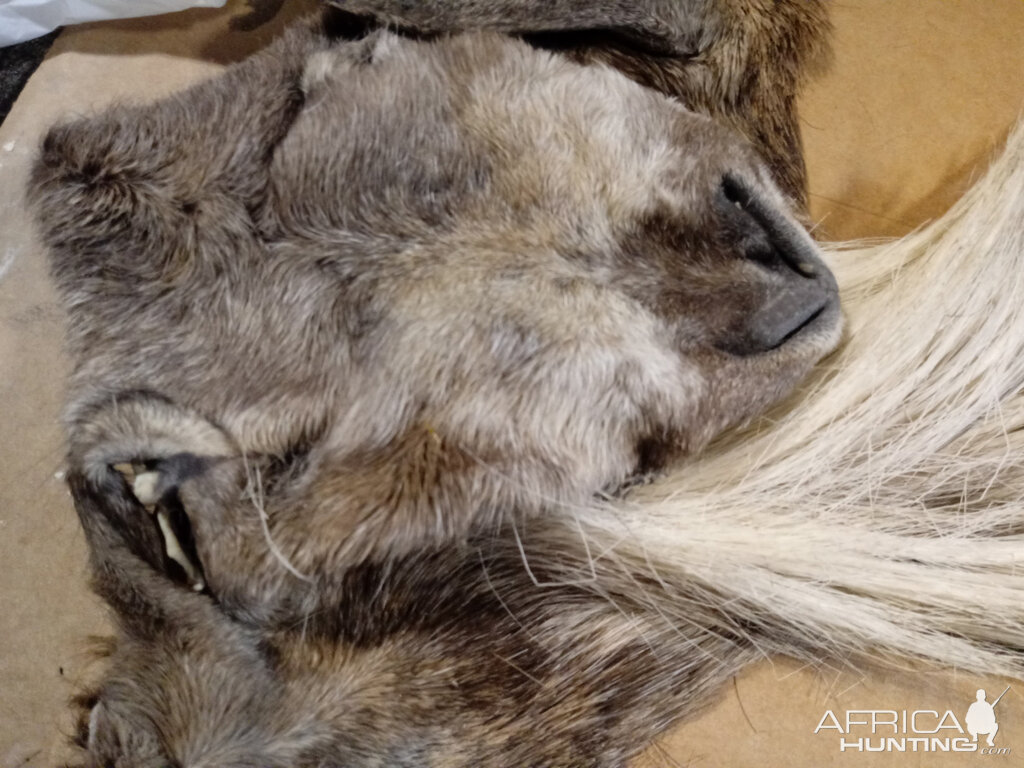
{"points": [[981, 717], [917, 730]]}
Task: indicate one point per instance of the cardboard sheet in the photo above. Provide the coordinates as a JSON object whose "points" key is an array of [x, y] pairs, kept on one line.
{"points": [[920, 96]]}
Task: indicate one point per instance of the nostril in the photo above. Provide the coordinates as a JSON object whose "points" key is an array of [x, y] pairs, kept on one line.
{"points": [[767, 235]]}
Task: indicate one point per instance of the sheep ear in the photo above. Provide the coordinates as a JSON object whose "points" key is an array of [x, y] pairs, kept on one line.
{"points": [[129, 456], [668, 27]]}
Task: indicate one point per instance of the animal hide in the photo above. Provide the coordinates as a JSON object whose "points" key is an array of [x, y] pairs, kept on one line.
{"points": [[395, 355]]}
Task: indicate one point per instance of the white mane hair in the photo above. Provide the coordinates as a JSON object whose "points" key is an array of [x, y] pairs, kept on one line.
{"points": [[881, 510]]}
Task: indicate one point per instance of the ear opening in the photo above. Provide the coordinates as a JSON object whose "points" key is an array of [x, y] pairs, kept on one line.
{"points": [[126, 549], [129, 454], [155, 485]]}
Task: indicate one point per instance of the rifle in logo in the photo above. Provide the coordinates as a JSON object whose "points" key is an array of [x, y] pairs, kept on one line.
{"points": [[981, 717]]}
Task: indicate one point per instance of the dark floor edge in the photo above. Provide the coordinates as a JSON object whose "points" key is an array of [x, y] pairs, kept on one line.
{"points": [[17, 63]]}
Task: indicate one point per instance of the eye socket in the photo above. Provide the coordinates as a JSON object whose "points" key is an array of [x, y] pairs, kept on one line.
{"points": [[154, 485]]}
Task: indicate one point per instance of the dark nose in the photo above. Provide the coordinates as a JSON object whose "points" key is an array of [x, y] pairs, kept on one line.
{"points": [[799, 287]]}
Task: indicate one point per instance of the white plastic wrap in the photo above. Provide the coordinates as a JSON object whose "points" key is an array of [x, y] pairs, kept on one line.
{"points": [[24, 19]]}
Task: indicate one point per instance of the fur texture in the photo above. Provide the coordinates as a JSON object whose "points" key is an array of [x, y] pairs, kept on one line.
{"points": [[740, 61], [392, 327], [406, 275]]}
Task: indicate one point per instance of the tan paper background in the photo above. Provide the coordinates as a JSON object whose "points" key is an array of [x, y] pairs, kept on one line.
{"points": [[921, 93]]}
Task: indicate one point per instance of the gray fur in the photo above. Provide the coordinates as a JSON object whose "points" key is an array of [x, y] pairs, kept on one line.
{"points": [[740, 61], [381, 309]]}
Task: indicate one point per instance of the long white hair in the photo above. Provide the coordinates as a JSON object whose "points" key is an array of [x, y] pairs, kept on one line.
{"points": [[881, 510]]}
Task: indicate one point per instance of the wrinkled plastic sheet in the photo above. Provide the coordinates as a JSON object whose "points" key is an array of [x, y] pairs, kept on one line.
{"points": [[22, 20]]}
